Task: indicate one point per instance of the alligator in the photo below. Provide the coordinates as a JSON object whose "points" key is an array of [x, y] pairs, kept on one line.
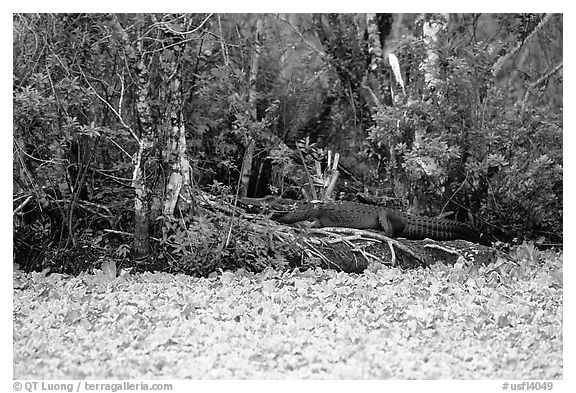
{"points": [[394, 223]]}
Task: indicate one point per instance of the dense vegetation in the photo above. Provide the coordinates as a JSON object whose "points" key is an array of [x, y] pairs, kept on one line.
{"points": [[124, 123]]}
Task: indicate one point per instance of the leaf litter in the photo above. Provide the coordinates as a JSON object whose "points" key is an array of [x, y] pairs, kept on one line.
{"points": [[497, 322]]}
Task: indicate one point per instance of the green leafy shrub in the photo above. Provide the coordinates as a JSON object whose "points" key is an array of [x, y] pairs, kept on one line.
{"points": [[463, 147], [202, 245]]}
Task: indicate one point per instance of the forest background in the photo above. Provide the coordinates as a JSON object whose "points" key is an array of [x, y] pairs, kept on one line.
{"points": [[124, 123]]}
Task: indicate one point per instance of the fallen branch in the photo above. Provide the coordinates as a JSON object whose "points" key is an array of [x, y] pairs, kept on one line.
{"points": [[449, 250], [369, 235]]}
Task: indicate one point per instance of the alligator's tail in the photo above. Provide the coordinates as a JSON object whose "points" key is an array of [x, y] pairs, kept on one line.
{"points": [[418, 228]]}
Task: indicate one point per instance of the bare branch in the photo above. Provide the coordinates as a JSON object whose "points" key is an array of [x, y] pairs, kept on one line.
{"points": [[497, 67], [21, 206], [304, 40], [109, 105], [547, 75], [540, 80], [166, 25]]}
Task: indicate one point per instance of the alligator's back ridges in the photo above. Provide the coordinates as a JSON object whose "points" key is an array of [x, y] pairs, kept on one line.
{"points": [[418, 228], [348, 214]]}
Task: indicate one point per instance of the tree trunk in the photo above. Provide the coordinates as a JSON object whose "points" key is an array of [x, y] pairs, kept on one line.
{"points": [[430, 30], [178, 186], [378, 80], [246, 171], [140, 246]]}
